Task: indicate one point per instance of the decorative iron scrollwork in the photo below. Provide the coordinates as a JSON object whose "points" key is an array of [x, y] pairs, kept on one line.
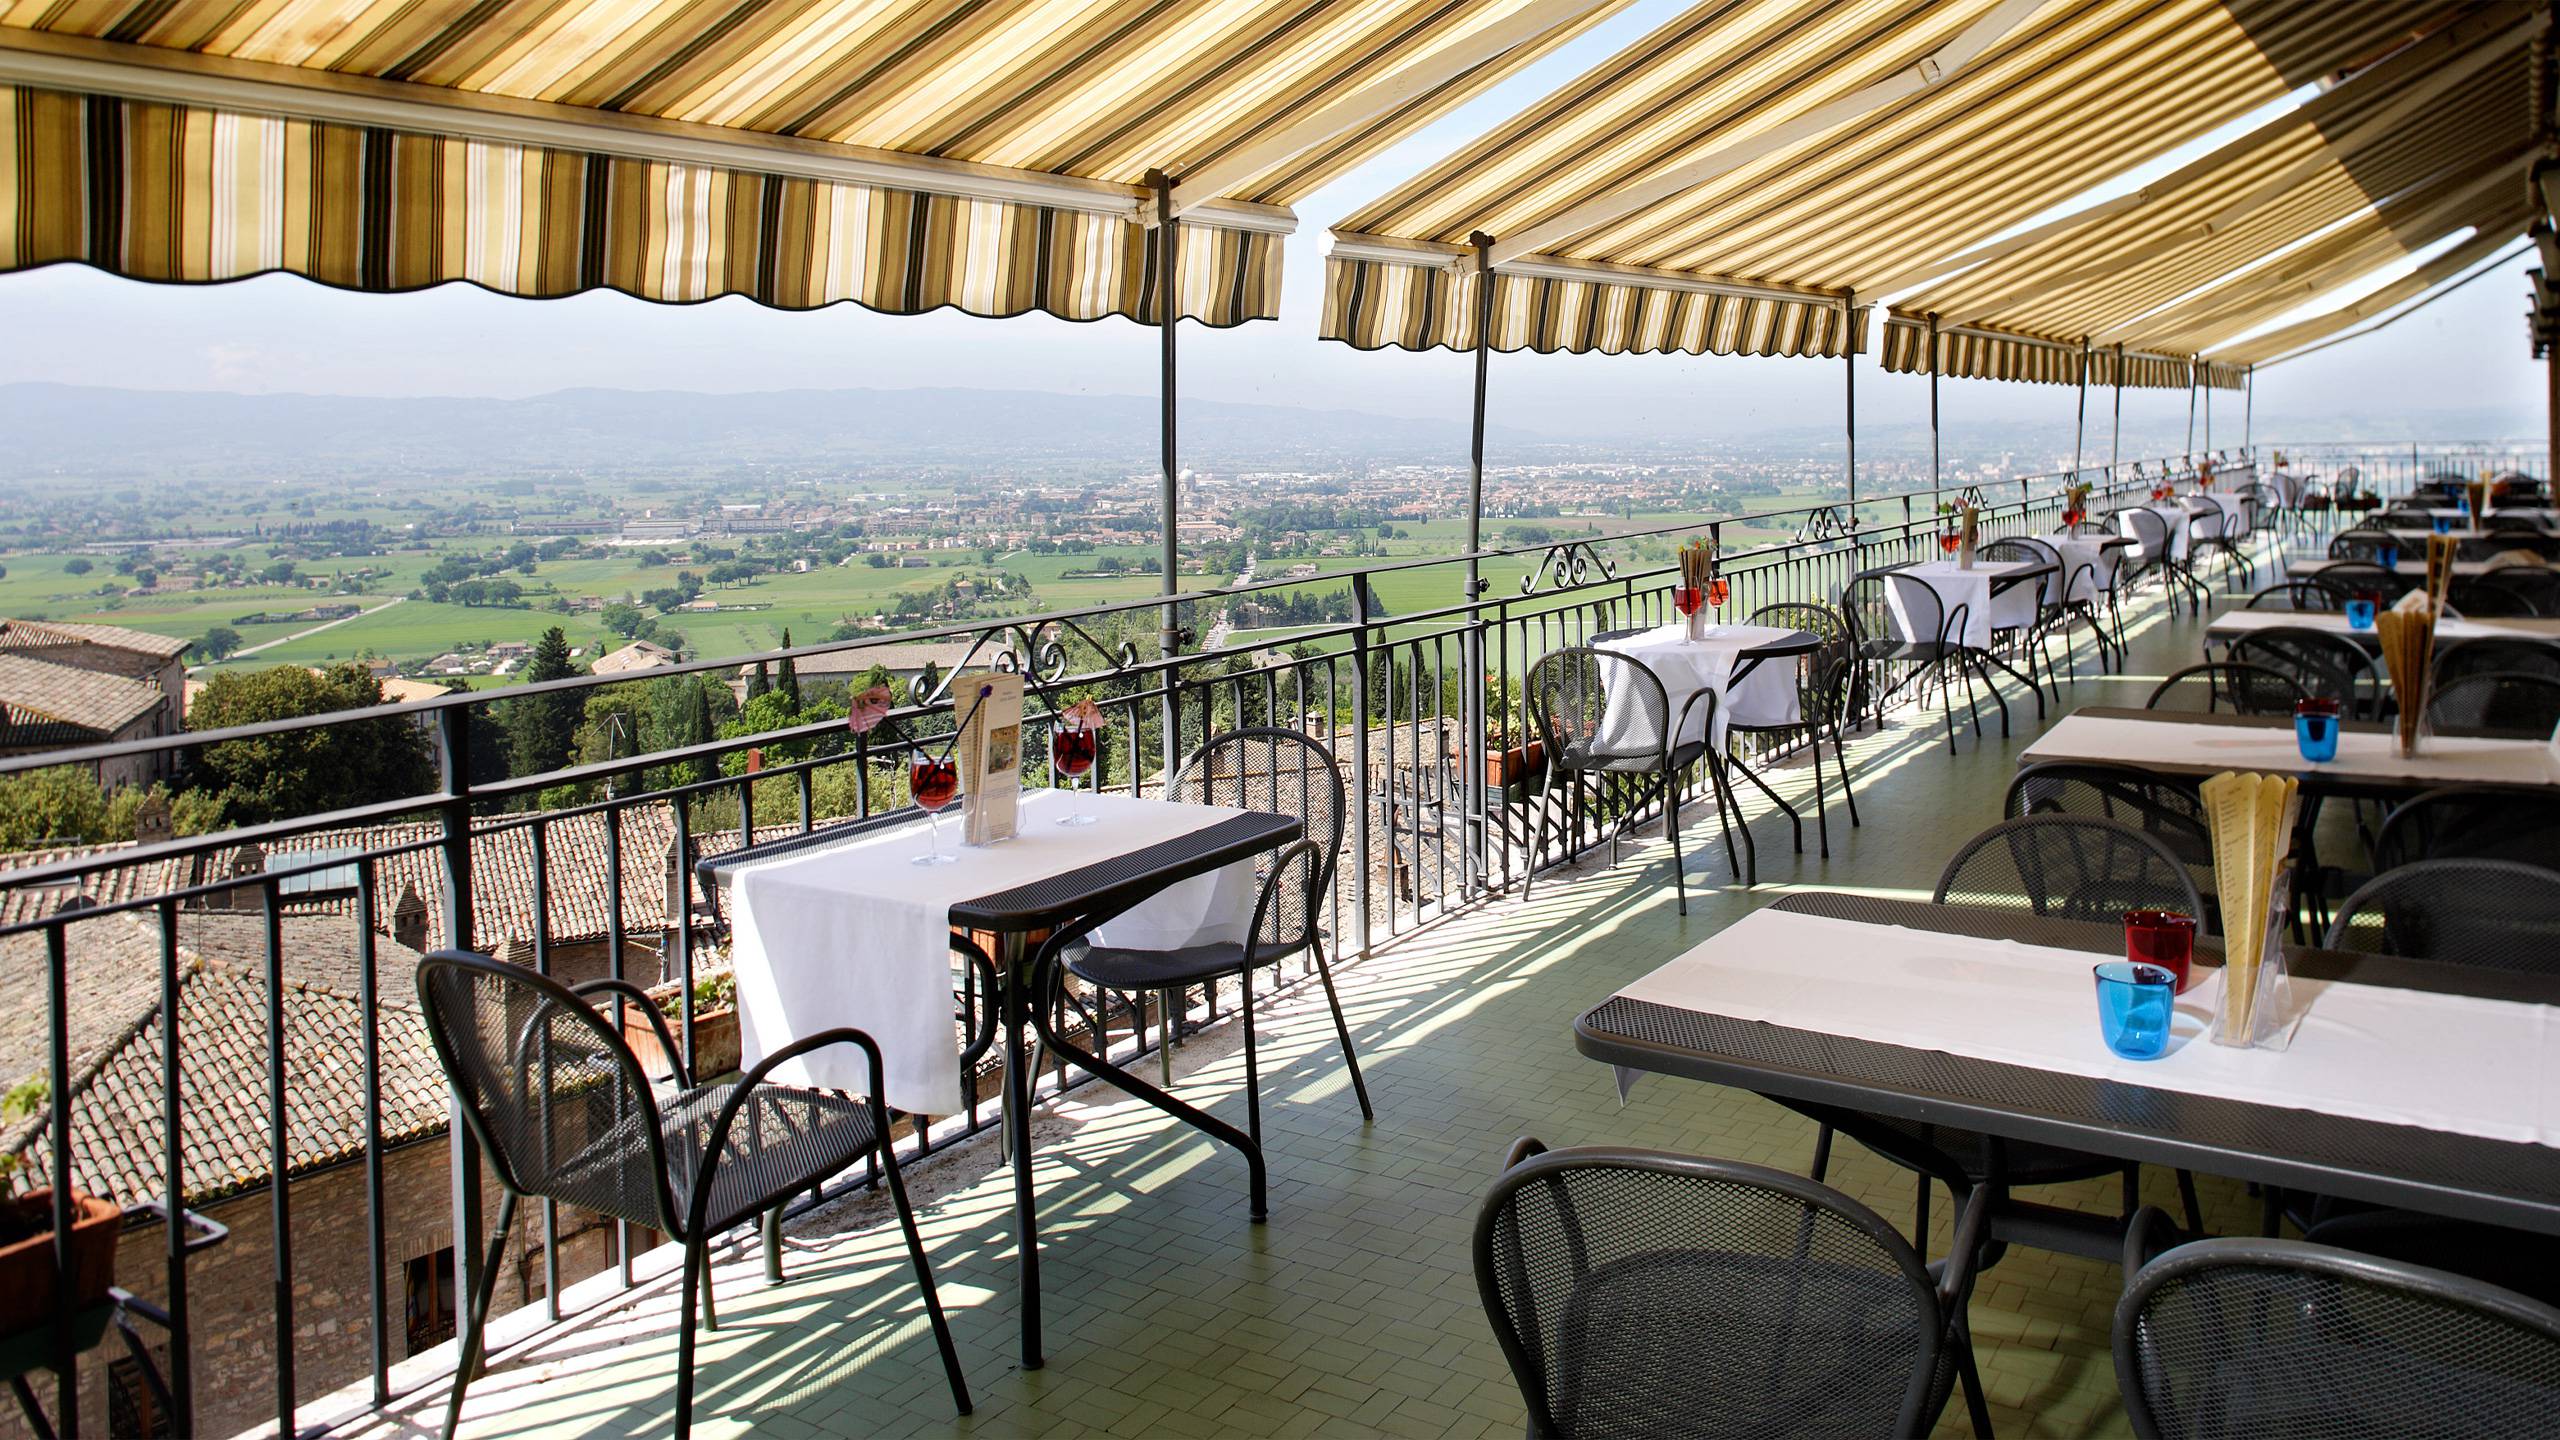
{"points": [[1831, 522], [1972, 495], [1034, 647], [1568, 564]]}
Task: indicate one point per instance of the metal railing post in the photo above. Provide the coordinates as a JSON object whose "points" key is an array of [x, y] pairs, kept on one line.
{"points": [[453, 740], [1360, 653]]}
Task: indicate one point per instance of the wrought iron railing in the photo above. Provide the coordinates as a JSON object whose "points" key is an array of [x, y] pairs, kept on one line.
{"points": [[1422, 706]]}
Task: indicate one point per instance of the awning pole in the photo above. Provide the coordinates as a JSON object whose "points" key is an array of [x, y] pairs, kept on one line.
{"points": [[2191, 411], [1849, 382], [2115, 436], [2248, 409], [1933, 400], [1168, 312], [2206, 390], [2080, 412], [1473, 691]]}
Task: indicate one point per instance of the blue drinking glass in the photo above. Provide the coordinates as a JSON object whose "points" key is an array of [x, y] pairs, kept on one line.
{"points": [[2135, 1006], [2390, 557], [2443, 526], [2318, 737], [2360, 614]]}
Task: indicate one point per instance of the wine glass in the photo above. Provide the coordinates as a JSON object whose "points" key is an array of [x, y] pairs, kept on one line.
{"points": [[1947, 542], [1718, 592], [1073, 752], [1685, 599], [934, 783]]}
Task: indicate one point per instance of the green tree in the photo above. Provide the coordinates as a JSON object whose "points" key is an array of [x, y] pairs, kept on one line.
{"points": [[218, 642], [789, 682], [543, 729], [303, 772], [760, 683], [76, 565]]}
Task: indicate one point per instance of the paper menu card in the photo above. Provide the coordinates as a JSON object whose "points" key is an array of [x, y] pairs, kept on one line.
{"points": [[989, 749]]}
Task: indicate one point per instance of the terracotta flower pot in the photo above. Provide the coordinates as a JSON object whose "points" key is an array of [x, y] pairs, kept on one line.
{"points": [[26, 1266], [715, 1039], [1514, 765]]}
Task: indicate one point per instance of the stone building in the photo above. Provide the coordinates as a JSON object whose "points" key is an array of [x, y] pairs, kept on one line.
{"points": [[66, 686]]}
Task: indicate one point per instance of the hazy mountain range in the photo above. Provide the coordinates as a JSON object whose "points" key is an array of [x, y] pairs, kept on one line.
{"points": [[83, 432]]}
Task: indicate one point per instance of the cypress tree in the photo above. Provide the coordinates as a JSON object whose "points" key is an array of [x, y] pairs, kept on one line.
{"points": [[789, 682], [759, 682]]}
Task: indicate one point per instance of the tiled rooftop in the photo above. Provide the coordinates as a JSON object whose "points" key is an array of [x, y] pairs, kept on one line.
{"points": [[1354, 1310]]}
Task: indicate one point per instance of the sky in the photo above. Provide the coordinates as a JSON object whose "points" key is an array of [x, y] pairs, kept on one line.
{"points": [[68, 324]]}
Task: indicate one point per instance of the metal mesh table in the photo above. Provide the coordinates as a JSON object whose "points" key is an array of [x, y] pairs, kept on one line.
{"points": [[2497, 1182]]}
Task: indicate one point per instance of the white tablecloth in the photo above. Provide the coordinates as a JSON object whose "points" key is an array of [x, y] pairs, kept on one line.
{"points": [[1766, 696], [2214, 514], [2173, 519], [2441, 759], [2486, 1068], [2093, 552], [855, 935], [1984, 612], [2411, 566], [2240, 622]]}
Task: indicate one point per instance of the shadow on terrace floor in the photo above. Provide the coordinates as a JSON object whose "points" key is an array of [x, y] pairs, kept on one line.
{"points": [[1354, 1311]]}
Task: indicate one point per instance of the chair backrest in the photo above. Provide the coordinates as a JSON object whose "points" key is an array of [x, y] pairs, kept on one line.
{"points": [[1572, 692], [1822, 675], [2497, 655], [2049, 587], [2322, 664], [2310, 593], [2483, 598], [554, 1096], [2165, 807], [2397, 519], [1283, 772], [2538, 584], [2068, 867], [2471, 822], [2147, 526], [1644, 1294], [2285, 1338], [1880, 602], [2503, 914], [2226, 687], [2361, 544], [2507, 703]]}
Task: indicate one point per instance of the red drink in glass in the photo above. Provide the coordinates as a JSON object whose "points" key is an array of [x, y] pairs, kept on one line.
{"points": [[1073, 752], [2165, 938], [1717, 592], [933, 783], [1947, 543], [1685, 599]]}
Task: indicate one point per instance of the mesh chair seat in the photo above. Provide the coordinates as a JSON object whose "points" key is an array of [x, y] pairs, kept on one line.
{"points": [[1114, 968], [780, 1137], [2496, 655], [2513, 704], [2222, 686], [2275, 1340], [2473, 822], [2322, 663], [1580, 755], [2068, 867]]}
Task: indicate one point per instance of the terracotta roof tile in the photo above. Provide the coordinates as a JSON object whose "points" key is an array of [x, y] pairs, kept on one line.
{"points": [[21, 634], [34, 691]]}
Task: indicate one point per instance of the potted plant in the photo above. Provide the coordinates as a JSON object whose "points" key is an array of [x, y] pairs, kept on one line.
{"points": [[1506, 768], [715, 1024], [26, 1238]]}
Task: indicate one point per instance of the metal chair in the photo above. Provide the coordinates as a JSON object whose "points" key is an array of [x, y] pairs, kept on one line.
{"points": [[1570, 695], [2514, 525], [2067, 867], [2501, 914], [2150, 530], [2520, 1260], [2319, 662], [2497, 655], [2480, 597], [1643, 1294], [1822, 700], [2470, 822], [2054, 606], [2310, 594], [2213, 530], [1283, 772], [2285, 1338], [2509, 704], [1867, 603], [2354, 577], [2227, 687], [2166, 808], [558, 1103], [2539, 585], [2363, 544]]}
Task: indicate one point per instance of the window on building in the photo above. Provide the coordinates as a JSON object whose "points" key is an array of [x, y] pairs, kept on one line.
{"points": [[431, 1300], [133, 1408]]}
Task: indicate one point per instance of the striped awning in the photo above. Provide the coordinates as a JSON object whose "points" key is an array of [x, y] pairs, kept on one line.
{"points": [[1979, 354], [2420, 144], [1800, 152], [2272, 344], [997, 158]]}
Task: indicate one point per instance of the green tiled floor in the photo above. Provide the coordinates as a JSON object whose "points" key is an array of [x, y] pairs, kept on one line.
{"points": [[1354, 1310]]}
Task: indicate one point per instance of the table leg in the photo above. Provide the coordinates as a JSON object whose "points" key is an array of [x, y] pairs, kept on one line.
{"points": [[1200, 1120], [1016, 1005]]}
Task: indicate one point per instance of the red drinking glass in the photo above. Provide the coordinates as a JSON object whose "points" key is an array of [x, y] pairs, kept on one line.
{"points": [[1947, 542], [1718, 592], [1686, 599], [1072, 751], [2166, 938], [934, 783]]}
